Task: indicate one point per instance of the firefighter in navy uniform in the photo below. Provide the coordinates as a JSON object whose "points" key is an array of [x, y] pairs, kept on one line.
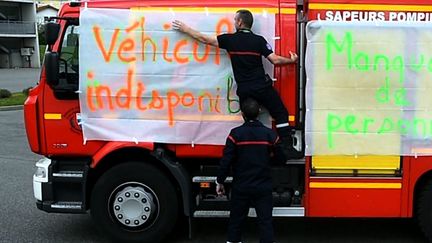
{"points": [[245, 50], [248, 152]]}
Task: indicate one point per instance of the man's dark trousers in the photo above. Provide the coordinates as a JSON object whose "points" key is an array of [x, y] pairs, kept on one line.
{"points": [[240, 202], [270, 99]]}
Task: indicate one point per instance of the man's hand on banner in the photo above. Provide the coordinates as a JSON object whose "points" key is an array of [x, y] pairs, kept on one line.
{"points": [[180, 26], [205, 39]]}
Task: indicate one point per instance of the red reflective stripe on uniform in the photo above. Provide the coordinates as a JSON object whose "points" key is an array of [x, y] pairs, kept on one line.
{"points": [[253, 143], [244, 53], [232, 139]]}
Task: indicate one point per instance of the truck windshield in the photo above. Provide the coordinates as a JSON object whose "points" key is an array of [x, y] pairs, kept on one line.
{"points": [[69, 58]]}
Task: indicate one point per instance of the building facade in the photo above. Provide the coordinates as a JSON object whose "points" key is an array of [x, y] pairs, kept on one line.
{"points": [[19, 45]]}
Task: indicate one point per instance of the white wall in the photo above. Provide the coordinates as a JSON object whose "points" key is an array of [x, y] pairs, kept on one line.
{"points": [[49, 12]]}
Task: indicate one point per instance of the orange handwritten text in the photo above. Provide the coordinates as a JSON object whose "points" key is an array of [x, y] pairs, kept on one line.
{"points": [[204, 58], [102, 97], [106, 54], [177, 57], [135, 44]]}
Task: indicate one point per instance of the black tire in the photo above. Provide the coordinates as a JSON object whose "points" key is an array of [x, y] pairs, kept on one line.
{"points": [[141, 175], [424, 210]]}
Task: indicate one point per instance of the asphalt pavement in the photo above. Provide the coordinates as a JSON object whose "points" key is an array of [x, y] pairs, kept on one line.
{"points": [[21, 221], [15, 80]]}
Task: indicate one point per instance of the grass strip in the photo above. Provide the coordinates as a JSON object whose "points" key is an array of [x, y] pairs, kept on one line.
{"points": [[16, 99]]}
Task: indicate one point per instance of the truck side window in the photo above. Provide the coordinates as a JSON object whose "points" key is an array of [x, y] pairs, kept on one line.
{"points": [[68, 70]]}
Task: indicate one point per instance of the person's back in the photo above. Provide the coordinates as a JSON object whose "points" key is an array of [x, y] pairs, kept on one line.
{"points": [[251, 169], [245, 49]]}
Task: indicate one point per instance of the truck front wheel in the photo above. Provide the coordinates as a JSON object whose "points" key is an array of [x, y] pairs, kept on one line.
{"points": [[134, 202]]}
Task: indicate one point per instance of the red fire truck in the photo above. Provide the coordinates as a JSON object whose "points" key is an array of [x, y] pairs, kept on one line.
{"points": [[136, 191]]}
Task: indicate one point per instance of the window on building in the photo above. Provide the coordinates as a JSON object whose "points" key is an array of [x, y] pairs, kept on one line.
{"points": [[10, 12]]}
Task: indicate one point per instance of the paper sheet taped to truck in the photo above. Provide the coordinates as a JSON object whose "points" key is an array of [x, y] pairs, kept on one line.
{"points": [[368, 88], [142, 81]]}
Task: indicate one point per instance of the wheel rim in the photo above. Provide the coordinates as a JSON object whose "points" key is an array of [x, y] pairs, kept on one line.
{"points": [[134, 205]]}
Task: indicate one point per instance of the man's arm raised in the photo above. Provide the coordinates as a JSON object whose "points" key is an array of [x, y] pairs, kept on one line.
{"points": [[182, 27], [280, 60]]}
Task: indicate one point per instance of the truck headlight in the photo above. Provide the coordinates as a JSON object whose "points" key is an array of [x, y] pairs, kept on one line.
{"points": [[40, 173]]}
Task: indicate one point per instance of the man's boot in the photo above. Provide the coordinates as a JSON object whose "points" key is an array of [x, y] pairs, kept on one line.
{"points": [[289, 151], [286, 143]]}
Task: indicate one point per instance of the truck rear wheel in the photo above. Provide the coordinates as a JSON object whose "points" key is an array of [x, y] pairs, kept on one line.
{"points": [[134, 202], [424, 209]]}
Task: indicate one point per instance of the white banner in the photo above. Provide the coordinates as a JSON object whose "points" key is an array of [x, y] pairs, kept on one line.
{"points": [[369, 88], [142, 81]]}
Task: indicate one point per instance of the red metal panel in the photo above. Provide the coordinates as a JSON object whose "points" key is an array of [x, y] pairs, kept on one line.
{"points": [[66, 130], [286, 76], [324, 202], [198, 151], [406, 210], [40, 109], [354, 202], [113, 146], [31, 119]]}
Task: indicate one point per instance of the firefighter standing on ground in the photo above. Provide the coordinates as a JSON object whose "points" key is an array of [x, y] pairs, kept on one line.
{"points": [[245, 49], [247, 151]]}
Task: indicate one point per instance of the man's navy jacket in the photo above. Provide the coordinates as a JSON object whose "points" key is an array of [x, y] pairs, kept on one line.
{"points": [[248, 150]]}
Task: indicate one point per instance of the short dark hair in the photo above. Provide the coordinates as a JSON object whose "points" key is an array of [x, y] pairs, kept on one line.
{"points": [[246, 16], [250, 109]]}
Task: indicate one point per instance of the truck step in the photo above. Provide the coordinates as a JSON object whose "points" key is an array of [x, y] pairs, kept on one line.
{"points": [[61, 207], [198, 179], [301, 161], [68, 176], [277, 212], [67, 205], [211, 214]]}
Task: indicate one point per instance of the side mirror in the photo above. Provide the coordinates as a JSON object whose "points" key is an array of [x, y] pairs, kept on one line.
{"points": [[52, 68], [51, 32]]}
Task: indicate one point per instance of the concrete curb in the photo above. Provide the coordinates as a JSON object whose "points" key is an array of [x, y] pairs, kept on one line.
{"points": [[11, 108]]}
